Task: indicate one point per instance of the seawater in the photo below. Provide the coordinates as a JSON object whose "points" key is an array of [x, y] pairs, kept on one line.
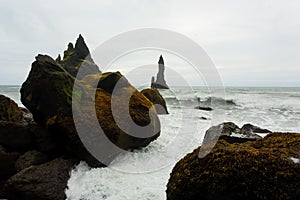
{"points": [[144, 173]]}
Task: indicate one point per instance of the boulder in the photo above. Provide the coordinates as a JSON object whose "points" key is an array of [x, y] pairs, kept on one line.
{"points": [[78, 57], [30, 158], [16, 136], [47, 89], [7, 160], [110, 80], [9, 110], [155, 97], [43, 182], [260, 169], [249, 130], [14, 131], [47, 93], [232, 133]]}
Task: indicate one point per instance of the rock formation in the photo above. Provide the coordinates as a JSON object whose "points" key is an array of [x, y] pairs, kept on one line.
{"points": [[258, 169], [155, 97], [47, 181], [232, 133], [39, 147], [78, 57], [47, 93], [160, 78], [23, 144]]}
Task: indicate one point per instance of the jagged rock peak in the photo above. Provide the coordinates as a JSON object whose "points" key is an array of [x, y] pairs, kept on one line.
{"points": [[58, 59], [70, 46], [161, 60], [79, 57], [81, 48]]}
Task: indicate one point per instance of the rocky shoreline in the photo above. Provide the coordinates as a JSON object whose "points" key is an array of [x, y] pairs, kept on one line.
{"points": [[40, 144]]}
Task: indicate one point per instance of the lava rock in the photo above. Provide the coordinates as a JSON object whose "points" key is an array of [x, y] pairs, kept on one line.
{"points": [[260, 169], [9, 110], [7, 163], [43, 182], [155, 97], [16, 136], [47, 89], [47, 93], [78, 57], [230, 132], [30, 158], [203, 108]]}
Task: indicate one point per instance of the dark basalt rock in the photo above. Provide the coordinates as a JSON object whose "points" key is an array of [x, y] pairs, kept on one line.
{"points": [[249, 129], [260, 169], [78, 57], [111, 81], [47, 89], [30, 158], [16, 136], [9, 110], [203, 108], [43, 182], [160, 81], [7, 163], [232, 133], [47, 93], [155, 97]]}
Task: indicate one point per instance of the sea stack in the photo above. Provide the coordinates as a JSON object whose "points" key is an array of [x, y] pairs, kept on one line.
{"points": [[160, 82]]}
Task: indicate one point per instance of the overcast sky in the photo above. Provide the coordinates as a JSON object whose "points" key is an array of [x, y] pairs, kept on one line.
{"points": [[252, 43]]}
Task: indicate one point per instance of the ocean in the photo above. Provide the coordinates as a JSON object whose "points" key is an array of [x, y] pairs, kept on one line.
{"points": [[144, 173]]}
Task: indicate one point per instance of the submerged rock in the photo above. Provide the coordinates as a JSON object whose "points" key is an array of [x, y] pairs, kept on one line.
{"points": [[44, 182], [203, 108], [155, 97], [260, 169]]}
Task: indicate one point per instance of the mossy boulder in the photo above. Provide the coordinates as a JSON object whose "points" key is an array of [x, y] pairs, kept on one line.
{"points": [[9, 110], [111, 81], [261, 169], [78, 57], [48, 91], [15, 131], [155, 97]]}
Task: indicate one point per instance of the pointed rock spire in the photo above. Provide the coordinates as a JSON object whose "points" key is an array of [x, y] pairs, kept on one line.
{"points": [[77, 57], [161, 60], [58, 59], [81, 48]]}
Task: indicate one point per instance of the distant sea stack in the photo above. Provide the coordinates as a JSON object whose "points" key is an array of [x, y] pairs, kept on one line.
{"points": [[160, 82]]}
